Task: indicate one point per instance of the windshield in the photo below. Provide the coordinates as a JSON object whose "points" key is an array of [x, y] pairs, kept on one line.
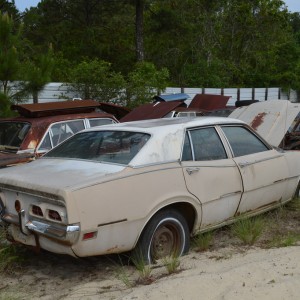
{"points": [[118, 147], [12, 135]]}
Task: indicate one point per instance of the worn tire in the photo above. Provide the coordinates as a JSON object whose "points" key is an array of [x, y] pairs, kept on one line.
{"points": [[167, 233], [297, 192]]}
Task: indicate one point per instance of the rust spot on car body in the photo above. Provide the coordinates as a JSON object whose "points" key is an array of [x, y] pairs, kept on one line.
{"points": [[112, 249], [200, 104], [208, 102], [258, 120], [36, 110], [152, 111]]}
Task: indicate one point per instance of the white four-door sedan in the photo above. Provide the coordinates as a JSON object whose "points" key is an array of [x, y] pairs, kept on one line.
{"points": [[145, 185]]}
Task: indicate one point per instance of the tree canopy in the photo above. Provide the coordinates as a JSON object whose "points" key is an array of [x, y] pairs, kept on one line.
{"points": [[203, 43]]}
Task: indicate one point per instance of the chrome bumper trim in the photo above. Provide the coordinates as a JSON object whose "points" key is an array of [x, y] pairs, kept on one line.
{"points": [[66, 233]]}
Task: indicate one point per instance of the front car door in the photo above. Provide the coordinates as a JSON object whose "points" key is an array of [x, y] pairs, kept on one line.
{"points": [[211, 175], [264, 170]]}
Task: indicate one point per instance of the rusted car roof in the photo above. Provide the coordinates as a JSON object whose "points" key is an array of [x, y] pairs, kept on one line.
{"points": [[55, 108], [116, 110], [152, 111], [40, 124], [159, 109], [209, 102], [271, 119]]}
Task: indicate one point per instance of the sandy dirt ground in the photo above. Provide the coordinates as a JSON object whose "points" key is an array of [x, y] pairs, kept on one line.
{"points": [[225, 273]]}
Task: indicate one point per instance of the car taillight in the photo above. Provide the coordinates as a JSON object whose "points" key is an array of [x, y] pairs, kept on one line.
{"points": [[89, 235], [36, 210], [54, 215]]}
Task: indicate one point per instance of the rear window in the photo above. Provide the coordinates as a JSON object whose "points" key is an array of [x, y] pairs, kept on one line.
{"points": [[101, 121], [118, 147], [12, 135]]}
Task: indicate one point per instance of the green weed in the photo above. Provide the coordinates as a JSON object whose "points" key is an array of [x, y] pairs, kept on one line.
{"points": [[9, 254], [171, 263], [143, 268], [248, 230], [122, 273], [290, 239], [203, 241]]}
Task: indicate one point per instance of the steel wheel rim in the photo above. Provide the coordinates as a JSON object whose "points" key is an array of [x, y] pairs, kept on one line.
{"points": [[166, 240]]}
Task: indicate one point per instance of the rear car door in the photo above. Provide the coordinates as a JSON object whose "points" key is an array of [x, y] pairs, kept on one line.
{"points": [[211, 175], [264, 170]]}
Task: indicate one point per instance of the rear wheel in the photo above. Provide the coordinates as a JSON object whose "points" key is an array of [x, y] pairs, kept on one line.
{"points": [[166, 234]]}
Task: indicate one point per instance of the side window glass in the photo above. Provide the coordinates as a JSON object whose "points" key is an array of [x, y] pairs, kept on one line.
{"points": [[207, 144], [62, 131], [187, 150], [242, 141], [46, 144], [76, 126], [99, 122]]}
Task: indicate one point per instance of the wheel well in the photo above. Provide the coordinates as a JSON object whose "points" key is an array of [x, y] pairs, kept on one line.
{"points": [[187, 211]]}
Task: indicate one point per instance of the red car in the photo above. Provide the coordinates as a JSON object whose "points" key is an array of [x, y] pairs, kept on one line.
{"points": [[42, 126]]}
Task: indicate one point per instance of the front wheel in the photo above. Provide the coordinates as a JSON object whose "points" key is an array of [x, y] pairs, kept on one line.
{"points": [[166, 234]]}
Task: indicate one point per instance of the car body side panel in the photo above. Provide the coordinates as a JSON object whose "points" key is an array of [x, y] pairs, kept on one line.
{"points": [[118, 210], [293, 163], [265, 179]]}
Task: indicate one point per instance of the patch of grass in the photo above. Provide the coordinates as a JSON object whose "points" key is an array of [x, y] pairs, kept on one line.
{"points": [[248, 230], [171, 263], [203, 241], [10, 296], [9, 254], [143, 268], [289, 239], [122, 274], [293, 205]]}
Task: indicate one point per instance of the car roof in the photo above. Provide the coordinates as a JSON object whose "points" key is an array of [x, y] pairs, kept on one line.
{"points": [[167, 136], [53, 119], [35, 110], [158, 124]]}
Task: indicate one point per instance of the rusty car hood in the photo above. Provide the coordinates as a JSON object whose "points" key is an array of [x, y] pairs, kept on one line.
{"points": [[36, 110], [271, 119], [152, 111], [56, 176], [113, 109], [209, 102], [8, 159]]}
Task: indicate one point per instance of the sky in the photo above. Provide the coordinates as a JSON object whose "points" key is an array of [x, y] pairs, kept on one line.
{"points": [[23, 4], [293, 5]]}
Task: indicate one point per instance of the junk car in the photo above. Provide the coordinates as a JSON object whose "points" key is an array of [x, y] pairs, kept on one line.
{"points": [[42, 126], [277, 121], [146, 186]]}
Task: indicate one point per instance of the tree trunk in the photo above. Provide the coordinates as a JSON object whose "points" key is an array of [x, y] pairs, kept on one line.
{"points": [[35, 97], [139, 24]]}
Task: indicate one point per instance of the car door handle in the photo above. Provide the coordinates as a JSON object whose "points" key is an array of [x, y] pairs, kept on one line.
{"points": [[190, 171]]}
